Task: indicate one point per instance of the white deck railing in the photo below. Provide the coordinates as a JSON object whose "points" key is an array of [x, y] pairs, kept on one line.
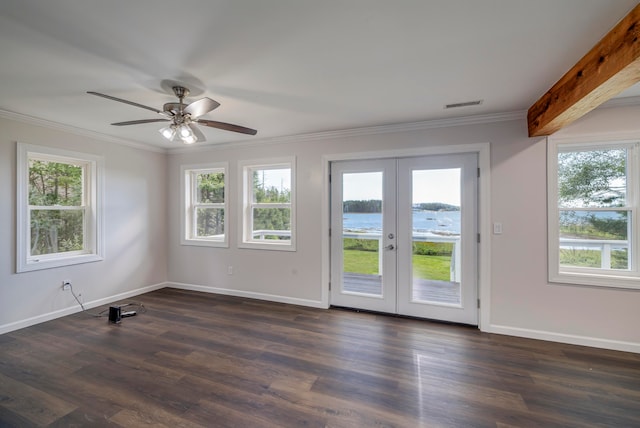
{"points": [[603, 245], [260, 234], [454, 269], [419, 237]]}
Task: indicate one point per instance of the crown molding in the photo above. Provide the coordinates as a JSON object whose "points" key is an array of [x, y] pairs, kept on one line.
{"points": [[358, 132], [317, 136], [31, 120]]}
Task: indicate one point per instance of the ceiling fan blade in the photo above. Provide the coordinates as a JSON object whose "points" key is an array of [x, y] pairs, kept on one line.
{"points": [[227, 126], [200, 107], [197, 132], [138, 122], [131, 103]]}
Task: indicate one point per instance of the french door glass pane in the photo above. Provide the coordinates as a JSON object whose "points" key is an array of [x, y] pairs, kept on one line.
{"points": [[436, 231], [362, 233], [210, 223], [594, 239], [56, 231]]}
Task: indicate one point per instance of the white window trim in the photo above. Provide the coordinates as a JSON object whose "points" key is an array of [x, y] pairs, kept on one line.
{"points": [[245, 227], [187, 196], [94, 220], [585, 276]]}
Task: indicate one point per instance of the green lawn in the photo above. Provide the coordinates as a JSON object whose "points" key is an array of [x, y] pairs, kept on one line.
{"points": [[425, 267]]}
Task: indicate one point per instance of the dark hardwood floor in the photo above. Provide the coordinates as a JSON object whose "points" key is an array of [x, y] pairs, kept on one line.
{"points": [[206, 360]]}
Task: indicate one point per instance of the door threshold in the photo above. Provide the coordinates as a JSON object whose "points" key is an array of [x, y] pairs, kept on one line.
{"points": [[410, 317]]}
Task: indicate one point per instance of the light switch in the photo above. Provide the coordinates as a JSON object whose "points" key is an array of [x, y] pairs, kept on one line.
{"points": [[497, 228]]}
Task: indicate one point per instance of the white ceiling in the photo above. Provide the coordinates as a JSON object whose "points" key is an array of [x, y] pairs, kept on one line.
{"points": [[287, 67]]}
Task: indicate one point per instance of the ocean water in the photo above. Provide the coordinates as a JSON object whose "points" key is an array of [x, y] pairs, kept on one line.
{"points": [[423, 221]]}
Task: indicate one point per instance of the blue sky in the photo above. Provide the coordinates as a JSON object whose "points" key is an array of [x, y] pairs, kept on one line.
{"points": [[437, 185]]}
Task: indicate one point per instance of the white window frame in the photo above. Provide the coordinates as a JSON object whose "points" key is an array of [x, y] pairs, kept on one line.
{"points": [[93, 183], [245, 232], [190, 206], [612, 278]]}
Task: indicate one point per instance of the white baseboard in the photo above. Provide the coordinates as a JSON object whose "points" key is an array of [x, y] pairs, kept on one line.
{"points": [[6, 328], [249, 294], [594, 342]]}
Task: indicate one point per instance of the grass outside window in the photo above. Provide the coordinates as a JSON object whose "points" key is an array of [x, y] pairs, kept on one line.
{"points": [[430, 260]]}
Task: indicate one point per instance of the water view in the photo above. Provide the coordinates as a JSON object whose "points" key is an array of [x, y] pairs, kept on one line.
{"points": [[436, 222]]}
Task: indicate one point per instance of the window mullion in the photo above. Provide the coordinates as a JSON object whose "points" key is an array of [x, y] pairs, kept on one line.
{"points": [[272, 205]]}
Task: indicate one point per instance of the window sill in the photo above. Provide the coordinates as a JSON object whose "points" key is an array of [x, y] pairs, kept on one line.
{"points": [[50, 263], [273, 246], [204, 243], [596, 280]]}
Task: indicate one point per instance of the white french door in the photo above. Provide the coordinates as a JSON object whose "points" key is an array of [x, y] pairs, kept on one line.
{"points": [[363, 258], [404, 236]]}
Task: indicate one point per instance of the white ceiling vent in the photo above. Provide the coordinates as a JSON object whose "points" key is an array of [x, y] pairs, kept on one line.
{"points": [[465, 104]]}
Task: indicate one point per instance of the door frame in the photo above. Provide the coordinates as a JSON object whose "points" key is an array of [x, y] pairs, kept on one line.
{"points": [[483, 151]]}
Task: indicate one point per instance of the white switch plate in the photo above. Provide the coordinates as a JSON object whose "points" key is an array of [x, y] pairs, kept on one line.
{"points": [[497, 228]]}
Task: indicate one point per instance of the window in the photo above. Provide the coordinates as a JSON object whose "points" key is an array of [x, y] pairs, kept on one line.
{"points": [[59, 209], [593, 213], [268, 204], [205, 205]]}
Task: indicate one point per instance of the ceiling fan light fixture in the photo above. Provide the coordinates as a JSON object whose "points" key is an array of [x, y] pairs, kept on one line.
{"points": [[186, 134], [184, 130], [168, 132], [189, 140]]}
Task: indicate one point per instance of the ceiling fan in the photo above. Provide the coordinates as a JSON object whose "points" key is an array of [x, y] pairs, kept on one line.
{"points": [[182, 117]]}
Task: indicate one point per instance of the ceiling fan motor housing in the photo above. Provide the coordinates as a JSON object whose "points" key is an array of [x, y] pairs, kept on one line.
{"points": [[180, 92]]}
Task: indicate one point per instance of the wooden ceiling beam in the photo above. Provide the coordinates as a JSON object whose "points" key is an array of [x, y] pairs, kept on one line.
{"points": [[609, 68]]}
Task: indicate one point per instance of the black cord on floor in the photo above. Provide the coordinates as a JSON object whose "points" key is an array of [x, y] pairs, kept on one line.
{"points": [[81, 305], [103, 313]]}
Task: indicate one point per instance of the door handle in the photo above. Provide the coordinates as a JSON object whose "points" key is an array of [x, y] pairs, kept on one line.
{"points": [[389, 247]]}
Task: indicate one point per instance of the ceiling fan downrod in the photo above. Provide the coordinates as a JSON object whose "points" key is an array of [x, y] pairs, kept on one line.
{"points": [[180, 92]]}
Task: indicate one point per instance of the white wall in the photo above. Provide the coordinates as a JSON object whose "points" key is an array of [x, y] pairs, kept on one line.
{"points": [[135, 230], [143, 246], [523, 303]]}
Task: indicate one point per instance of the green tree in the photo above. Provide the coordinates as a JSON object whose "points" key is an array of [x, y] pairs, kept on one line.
{"points": [[593, 178], [210, 188], [55, 184], [270, 218], [436, 206], [366, 206]]}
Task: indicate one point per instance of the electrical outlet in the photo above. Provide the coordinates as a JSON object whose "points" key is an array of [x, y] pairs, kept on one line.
{"points": [[66, 285], [229, 270]]}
